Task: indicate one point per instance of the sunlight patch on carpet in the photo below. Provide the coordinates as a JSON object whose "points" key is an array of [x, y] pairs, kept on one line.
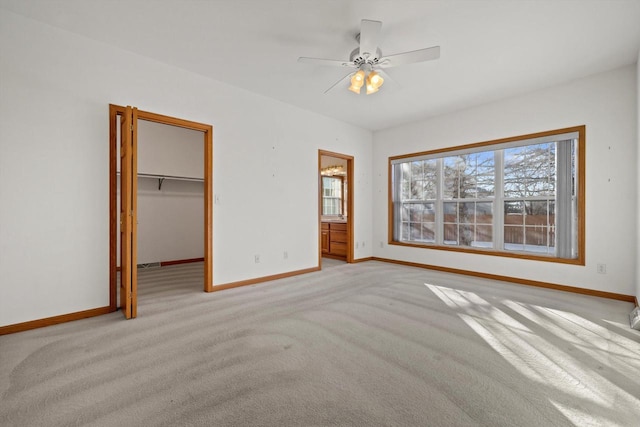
{"points": [[533, 349]]}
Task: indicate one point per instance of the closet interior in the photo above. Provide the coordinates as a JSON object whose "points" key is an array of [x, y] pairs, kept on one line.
{"points": [[170, 214]]}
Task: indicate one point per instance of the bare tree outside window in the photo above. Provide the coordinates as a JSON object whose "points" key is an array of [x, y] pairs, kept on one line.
{"points": [[469, 186], [529, 198]]}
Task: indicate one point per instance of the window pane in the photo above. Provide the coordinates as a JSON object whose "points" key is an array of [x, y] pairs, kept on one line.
{"points": [[415, 231], [404, 211], [484, 236], [484, 213], [419, 232], [466, 234], [415, 212], [430, 183], [467, 212], [417, 189], [419, 222], [536, 238], [542, 169], [404, 231], [429, 232], [429, 213], [459, 177], [331, 206], [451, 234], [486, 186], [537, 212], [423, 212], [450, 212], [469, 175], [419, 180], [513, 213], [513, 238], [332, 195], [485, 174], [332, 187], [405, 181], [530, 171], [515, 172]]}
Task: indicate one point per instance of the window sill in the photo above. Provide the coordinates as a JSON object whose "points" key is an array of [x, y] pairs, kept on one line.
{"points": [[492, 252]]}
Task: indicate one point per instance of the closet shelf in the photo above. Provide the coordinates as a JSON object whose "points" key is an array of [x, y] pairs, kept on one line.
{"points": [[161, 178]]}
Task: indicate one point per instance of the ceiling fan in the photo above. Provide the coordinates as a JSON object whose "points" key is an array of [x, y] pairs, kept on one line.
{"points": [[368, 61]]}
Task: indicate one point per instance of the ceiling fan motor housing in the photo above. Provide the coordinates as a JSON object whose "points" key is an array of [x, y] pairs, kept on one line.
{"points": [[359, 60]]}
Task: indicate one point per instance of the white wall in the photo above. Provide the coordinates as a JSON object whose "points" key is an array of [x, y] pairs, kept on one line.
{"points": [[170, 150], [605, 103], [54, 223], [170, 220]]}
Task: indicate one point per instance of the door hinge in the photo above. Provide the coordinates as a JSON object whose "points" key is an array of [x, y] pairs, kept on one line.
{"points": [[131, 127]]}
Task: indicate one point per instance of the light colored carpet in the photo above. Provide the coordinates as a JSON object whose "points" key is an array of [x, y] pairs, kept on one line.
{"points": [[370, 344]]}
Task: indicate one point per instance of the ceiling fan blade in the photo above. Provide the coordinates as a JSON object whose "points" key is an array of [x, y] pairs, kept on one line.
{"points": [[389, 82], [336, 84], [328, 62], [419, 55], [369, 37]]}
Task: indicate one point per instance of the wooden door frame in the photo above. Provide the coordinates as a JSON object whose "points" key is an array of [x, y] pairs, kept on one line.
{"points": [[350, 220], [116, 110]]}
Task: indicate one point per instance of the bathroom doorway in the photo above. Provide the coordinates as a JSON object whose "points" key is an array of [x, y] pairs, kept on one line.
{"points": [[335, 200]]}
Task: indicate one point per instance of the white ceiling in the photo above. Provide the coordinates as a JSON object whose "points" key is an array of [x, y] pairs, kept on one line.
{"points": [[490, 49]]}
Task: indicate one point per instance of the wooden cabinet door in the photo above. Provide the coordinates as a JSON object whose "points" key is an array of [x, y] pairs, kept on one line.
{"points": [[325, 241], [338, 239]]}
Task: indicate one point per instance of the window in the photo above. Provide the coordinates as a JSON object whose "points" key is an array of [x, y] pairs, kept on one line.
{"points": [[331, 195], [520, 197]]}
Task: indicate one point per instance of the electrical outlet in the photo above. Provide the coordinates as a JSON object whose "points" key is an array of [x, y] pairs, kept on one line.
{"points": [[257, 259], [602, 268], [286, 255], [381, 244], [357, 245], [363, 244]]}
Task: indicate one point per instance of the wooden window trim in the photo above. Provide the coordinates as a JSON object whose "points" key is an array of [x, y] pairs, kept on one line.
{"points": [[581, 194]]}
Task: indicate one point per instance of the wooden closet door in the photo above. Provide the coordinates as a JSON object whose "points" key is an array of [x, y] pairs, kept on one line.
{"points": [[134, 212], [128, 229]]}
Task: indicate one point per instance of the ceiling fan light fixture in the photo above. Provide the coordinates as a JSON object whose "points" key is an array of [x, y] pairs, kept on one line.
{"points": [[374, 81], [358, 78], [357, 81]]}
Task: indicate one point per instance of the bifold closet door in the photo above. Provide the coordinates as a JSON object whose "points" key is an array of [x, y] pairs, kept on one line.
{"points": [[128, 212]]}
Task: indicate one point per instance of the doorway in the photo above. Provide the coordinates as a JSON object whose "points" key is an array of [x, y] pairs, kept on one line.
{"points": [[123, 146], [335, 201]]}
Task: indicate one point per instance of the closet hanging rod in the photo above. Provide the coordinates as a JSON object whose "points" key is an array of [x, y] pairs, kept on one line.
{"points": [[161, 178], [178, 178]]}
